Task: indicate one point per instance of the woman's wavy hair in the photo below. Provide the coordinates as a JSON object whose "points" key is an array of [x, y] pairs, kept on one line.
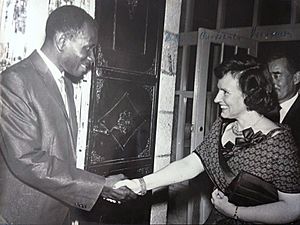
{"points": [[254, 80]]}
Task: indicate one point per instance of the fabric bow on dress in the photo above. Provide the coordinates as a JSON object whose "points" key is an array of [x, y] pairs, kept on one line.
{"points": [[250, 138]]}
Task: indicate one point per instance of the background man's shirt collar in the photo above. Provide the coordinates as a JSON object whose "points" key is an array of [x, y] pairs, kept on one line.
{"points": [[285, 106]]}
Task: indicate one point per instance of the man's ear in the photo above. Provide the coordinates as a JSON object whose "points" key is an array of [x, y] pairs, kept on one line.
{"points": [[297, 77], [60, 41]]}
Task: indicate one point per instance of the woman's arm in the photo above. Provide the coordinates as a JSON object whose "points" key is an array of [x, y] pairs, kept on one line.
{"points": [[178, 171], [286, 210]]}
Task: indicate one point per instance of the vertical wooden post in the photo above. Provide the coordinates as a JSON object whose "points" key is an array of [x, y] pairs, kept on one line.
{"points": [[165, 114]]}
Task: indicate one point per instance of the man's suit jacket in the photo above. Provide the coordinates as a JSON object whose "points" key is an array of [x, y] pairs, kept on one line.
{"points": [[39, 178], [292, 119]]}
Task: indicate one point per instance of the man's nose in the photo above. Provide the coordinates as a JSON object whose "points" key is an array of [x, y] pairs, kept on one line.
{"points": [[91, 57], [276, 82]]}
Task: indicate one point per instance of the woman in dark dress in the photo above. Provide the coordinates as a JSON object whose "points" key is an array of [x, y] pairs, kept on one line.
{"points": [[244, 139]]}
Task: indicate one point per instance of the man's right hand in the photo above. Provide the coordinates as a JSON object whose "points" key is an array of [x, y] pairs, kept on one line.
{"points": [[120, 194]]}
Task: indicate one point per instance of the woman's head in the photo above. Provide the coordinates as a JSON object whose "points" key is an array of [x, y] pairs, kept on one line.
{"points": [[244, 85]]}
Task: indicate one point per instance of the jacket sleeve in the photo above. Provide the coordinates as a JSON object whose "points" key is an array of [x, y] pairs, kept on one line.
{"points": [[30, 158]]}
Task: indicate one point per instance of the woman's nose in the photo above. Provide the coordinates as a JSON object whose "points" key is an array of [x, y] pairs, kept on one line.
{"points": [[217, 98]]}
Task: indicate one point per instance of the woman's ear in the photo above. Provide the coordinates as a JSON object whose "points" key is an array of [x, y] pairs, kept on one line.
{"points": [[297, 77], [60, 41]]}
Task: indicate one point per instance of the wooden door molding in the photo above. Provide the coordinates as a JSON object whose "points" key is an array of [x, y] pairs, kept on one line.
{"points": [[123, 105]]}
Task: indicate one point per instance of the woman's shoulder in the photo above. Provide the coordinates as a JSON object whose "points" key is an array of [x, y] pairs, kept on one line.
{"points": [[269, 127], [281, 140], [281, 130], [218, 125]]}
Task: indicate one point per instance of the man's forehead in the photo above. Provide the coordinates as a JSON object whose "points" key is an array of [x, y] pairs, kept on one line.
{"points": [[88, 31], [278, 63]]}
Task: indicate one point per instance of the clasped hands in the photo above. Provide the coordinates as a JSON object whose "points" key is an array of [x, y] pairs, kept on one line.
{"points": [[117, 189]]}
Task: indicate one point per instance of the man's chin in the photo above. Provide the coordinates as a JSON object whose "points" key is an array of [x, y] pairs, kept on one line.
{"points": [[75, 78]]}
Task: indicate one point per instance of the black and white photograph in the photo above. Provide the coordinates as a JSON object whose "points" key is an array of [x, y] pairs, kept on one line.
{"points": [[149, 112]]}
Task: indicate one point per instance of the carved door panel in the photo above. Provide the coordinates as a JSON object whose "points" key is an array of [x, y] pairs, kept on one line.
{"points": [[124, 98]]}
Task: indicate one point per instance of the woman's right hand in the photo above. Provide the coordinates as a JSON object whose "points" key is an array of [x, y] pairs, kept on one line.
{"points": [[134, 185]]}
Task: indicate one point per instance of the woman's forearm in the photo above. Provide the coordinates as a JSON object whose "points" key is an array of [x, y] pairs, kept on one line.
{"points": [[284, 211], [178, 171]]}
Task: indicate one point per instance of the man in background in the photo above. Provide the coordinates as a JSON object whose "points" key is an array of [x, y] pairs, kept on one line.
{"points": [[38, 130], [286, 77]]}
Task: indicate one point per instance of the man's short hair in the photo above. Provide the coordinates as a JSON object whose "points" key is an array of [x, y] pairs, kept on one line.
{"points": [[291, 64], [68, 19]]}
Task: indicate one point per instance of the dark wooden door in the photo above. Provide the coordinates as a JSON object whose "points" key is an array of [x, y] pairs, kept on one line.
{"points": [[124, 99]]}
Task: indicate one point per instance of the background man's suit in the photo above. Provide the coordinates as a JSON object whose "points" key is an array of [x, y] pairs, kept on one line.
{"points": [[292, 119], [38, 143]]}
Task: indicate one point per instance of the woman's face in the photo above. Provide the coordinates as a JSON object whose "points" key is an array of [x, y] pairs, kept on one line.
{"points": [[230, 97]]}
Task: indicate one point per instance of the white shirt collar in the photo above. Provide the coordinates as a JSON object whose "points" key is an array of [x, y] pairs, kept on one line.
{"points": [[285, 106], [57, 76], [52, 67]]}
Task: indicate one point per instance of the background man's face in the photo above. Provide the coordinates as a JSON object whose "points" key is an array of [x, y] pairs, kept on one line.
{"points": [[78, 54], [283, 79]]}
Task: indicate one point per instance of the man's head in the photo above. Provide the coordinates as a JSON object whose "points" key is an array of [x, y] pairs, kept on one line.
{"points": [[285, 76], [71, 37]]}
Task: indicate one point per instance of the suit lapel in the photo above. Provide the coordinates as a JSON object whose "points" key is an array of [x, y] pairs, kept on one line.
{"points": [[53, 90], [292, 111], [49, 81]]}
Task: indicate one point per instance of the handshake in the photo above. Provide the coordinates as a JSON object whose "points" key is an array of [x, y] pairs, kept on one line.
{"points": [[118, 189]]}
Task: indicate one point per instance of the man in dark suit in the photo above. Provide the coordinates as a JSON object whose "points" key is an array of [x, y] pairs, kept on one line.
{"points": [[286, 77], [38, 130]]}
